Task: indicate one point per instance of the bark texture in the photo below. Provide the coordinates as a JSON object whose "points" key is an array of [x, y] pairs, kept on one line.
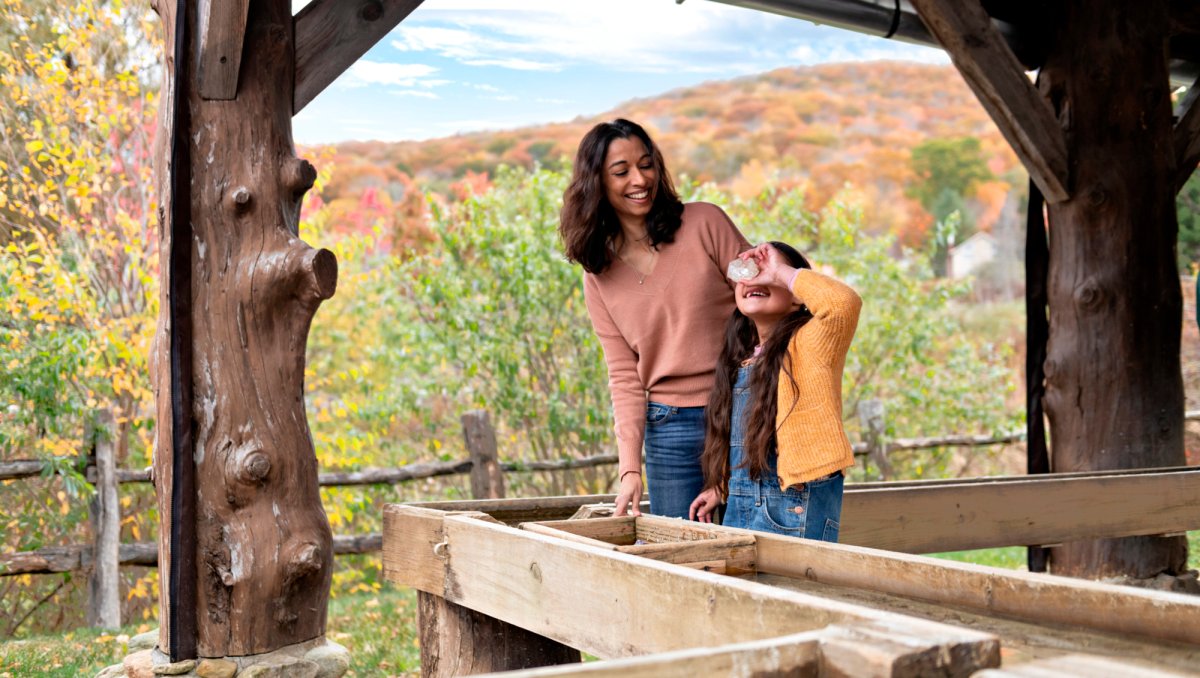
{"points": [[458, 641], [264, 554], [1114, 393]]}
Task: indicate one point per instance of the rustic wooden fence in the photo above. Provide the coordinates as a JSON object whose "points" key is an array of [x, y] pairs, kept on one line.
{"points": [[102, 558]]}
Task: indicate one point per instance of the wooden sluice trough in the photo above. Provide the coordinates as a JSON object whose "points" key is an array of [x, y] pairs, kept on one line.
{"points": [[516, 584]]}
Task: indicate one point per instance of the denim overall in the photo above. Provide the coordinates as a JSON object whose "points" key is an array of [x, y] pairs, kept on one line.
{"points": [[813, 512]]}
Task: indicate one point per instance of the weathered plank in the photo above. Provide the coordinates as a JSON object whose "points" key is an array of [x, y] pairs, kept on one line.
{"points": [[1038, 598], [795, 655], [1077, 666], [222, 30], [981, 55], [332, 34], [1034, 511], [582, 595]]}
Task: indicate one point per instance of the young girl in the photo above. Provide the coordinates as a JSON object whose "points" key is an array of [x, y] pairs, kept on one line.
{"points": [[775, 447]]}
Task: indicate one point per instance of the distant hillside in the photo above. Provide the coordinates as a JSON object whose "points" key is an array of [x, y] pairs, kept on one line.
{"points": [[819, 127]]}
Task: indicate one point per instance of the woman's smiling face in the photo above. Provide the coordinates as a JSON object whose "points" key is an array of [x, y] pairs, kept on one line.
{"points": [[630, 178]]}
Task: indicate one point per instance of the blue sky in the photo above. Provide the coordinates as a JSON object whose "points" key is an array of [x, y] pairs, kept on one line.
{"points": [[456, 66]]}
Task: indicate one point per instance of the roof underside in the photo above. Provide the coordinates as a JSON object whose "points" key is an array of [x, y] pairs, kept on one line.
{"points": [[1023, 23]]}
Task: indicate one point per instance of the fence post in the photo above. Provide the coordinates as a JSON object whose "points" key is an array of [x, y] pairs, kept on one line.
{"points": [[870, 416], [104, 584], [487, 479]]}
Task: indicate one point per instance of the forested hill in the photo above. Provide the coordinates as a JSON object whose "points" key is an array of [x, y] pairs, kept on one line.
{"points": [[819, 126]]}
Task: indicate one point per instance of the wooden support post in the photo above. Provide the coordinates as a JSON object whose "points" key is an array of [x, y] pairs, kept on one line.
{"points": [[248, 546], [1037, 333], [104, 583], [458, 641], [871, 417], [487, 480], [1114, 390]]}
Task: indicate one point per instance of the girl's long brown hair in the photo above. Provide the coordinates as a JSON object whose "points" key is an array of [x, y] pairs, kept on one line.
{"points": [[587, 223], [740, 338]]}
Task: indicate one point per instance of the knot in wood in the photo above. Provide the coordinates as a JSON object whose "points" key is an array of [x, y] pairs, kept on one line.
{"points": [[1089, 295], [306, 561], [324, 273], [1050, 367], [371, 11], [255, 468], [241, 198], [299, 175], [246, 465], [1097, 196]]}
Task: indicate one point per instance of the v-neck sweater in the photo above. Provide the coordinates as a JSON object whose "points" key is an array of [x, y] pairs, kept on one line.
{"points": [[662, 332]]}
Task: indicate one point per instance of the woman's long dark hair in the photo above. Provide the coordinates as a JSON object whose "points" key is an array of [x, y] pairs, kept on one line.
{"points": [[740, 338], [587, 223]]}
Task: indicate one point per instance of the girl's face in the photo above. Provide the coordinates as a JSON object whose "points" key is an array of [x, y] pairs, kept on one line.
{"points": [[629, 178], [764, 304]]}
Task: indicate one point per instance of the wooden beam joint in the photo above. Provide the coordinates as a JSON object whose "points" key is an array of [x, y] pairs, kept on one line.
{"points": [[993, 72]]}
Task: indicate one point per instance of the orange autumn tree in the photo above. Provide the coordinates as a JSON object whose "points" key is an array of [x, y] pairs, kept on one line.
{"points": [[77, 274]]}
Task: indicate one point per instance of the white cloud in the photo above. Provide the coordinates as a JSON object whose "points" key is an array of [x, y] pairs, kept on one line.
{"points": [[365, 72], [549, 35], [414, 93]]}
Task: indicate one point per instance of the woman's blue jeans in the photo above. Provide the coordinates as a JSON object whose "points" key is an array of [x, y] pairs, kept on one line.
{"points": [[674, 442]]}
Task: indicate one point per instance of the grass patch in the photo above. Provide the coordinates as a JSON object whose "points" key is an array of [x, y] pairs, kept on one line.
{"points": [[82, 652], [380, 630], [378, 627], [1013, 557], [1008, 557]]}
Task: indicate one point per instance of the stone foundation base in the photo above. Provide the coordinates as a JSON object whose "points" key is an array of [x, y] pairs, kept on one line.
{"points": [[1184, 583], [318, 658]]}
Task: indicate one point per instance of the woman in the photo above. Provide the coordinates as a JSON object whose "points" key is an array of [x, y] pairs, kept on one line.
{"points": [[658, 298], [775, 446]]}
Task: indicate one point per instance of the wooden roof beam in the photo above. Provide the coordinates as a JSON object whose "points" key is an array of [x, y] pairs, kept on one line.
{"points": [[1187, 136], [332, 34], [993, 72]]}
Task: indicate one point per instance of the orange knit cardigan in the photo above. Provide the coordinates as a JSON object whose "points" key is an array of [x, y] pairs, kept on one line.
{"points": [[811, 440]]}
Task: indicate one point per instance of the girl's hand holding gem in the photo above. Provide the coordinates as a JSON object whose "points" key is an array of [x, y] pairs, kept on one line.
{"points": [[773, 267]]}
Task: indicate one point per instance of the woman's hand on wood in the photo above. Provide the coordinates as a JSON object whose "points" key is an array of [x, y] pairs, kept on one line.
{"points": [[629, 497]]}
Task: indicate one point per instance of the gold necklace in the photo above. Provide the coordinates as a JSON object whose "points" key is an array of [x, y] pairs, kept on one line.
{"points": [[642, 278]]}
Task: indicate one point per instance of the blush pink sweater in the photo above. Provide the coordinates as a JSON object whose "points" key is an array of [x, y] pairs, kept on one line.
{"points": [[661, 337]]}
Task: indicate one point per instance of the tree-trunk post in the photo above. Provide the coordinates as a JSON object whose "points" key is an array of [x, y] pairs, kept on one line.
{"points": [[487, 478], [263, 547], [1037, 332], [871, 417], [1114, 393], [104, 582], [458, 641]]}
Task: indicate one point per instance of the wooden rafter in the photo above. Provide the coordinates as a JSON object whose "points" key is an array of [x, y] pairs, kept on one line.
{"points": [[221, 32], [332, 34], [985, 61], [1187, 136]]}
